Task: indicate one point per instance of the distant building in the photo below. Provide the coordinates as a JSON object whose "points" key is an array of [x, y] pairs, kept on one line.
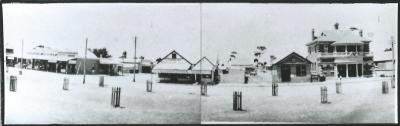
{"points": [[76, 65], [174, 68], [292, 68], [10, 58], [140, 66], [384, 65], [48, 59], [338, 52]]}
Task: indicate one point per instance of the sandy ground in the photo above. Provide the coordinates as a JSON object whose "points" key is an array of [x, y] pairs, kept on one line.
{"points": [[361, 101], [40, 100]]}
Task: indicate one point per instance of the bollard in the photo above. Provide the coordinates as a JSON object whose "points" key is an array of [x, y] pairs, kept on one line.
{"points": [[237, 100], [338, 87], [20, 72], [385, 88], [393, 82], [203, 89], [149, 86], [115, 96], [324, 95], [101, 81], [6, 69], [13, 83], [66, 83], [274, 89]]}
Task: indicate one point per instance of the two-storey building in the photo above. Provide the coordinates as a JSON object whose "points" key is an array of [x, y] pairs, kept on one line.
{"points": [[338, 52]]}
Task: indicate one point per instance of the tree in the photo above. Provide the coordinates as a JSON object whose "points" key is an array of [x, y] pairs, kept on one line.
{"points": [[101, 53], [158, 60], [123, 55]]}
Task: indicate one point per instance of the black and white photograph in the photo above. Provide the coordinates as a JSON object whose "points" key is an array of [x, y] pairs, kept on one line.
{"points": [[200, 63]]}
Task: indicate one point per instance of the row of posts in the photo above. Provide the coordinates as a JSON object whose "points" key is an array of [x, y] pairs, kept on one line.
{"points": [[237, 95]]}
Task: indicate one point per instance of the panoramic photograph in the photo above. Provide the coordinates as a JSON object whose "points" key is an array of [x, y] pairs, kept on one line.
{"points": [[200, 63]]}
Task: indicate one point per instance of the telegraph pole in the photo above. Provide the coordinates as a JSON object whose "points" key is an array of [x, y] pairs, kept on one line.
{"points": [[394, 70], [201, 43], [134, 65], [22, 55], [84, 62]]}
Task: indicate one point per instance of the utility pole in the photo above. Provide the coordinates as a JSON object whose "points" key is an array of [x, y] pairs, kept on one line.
{"points": [[394, 70], [134, 65], [201, 43], [22, 55], [84, 62]]}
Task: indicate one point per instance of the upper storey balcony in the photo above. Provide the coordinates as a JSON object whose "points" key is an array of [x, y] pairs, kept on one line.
{"points": [[344, 54]]}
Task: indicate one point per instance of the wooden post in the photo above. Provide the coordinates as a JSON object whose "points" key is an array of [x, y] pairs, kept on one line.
{"points": [[385, 88], [338, 87], [324, 95], [101, 81], [392, 80], [240, 101], [235, 101], [274, 89], [66, 83], [13, 83], [203, 88], [149, 86]]}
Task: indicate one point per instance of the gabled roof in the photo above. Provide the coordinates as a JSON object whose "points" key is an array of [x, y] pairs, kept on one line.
{"points": [[109, 61], [206, 64], [288, 56], [340, 37], [89, 55], [172, 65]]}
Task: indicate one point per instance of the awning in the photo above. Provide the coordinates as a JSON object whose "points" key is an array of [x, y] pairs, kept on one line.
{"points": [[10, 58], [170, 71], [200, 72], [71, 61], [52, 61]]}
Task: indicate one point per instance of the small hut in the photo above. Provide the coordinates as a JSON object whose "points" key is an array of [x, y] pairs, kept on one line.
{"points": [[292, 68]]}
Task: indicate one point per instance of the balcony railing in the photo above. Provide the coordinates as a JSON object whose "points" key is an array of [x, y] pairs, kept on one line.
{"points": [[344, 54]]}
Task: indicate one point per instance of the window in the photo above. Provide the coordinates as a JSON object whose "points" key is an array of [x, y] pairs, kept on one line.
{"points": [[300, 70]]}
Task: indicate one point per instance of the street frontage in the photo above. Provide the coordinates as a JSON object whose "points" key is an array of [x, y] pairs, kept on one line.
{"points": [[39, 98]]}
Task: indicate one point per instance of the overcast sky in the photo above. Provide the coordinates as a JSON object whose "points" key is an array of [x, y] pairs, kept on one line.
{"points": [[161, 28]]}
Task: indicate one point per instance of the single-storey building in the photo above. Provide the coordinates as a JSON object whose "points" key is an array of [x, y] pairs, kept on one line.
{"points": [[174, 68], [204, 70], [384, 65], [292, 68]]}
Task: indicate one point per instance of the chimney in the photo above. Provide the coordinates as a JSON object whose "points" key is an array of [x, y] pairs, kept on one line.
{"points": [[361, 33], [336, 26], [313, 34]]}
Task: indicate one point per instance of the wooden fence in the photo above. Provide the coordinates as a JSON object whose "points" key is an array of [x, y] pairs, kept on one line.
{"points": [[237, 100], [115, 96]]}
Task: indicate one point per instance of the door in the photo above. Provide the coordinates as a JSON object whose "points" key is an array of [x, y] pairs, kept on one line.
{"points": [[341, 70], [285, 73], [352, 70]]}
